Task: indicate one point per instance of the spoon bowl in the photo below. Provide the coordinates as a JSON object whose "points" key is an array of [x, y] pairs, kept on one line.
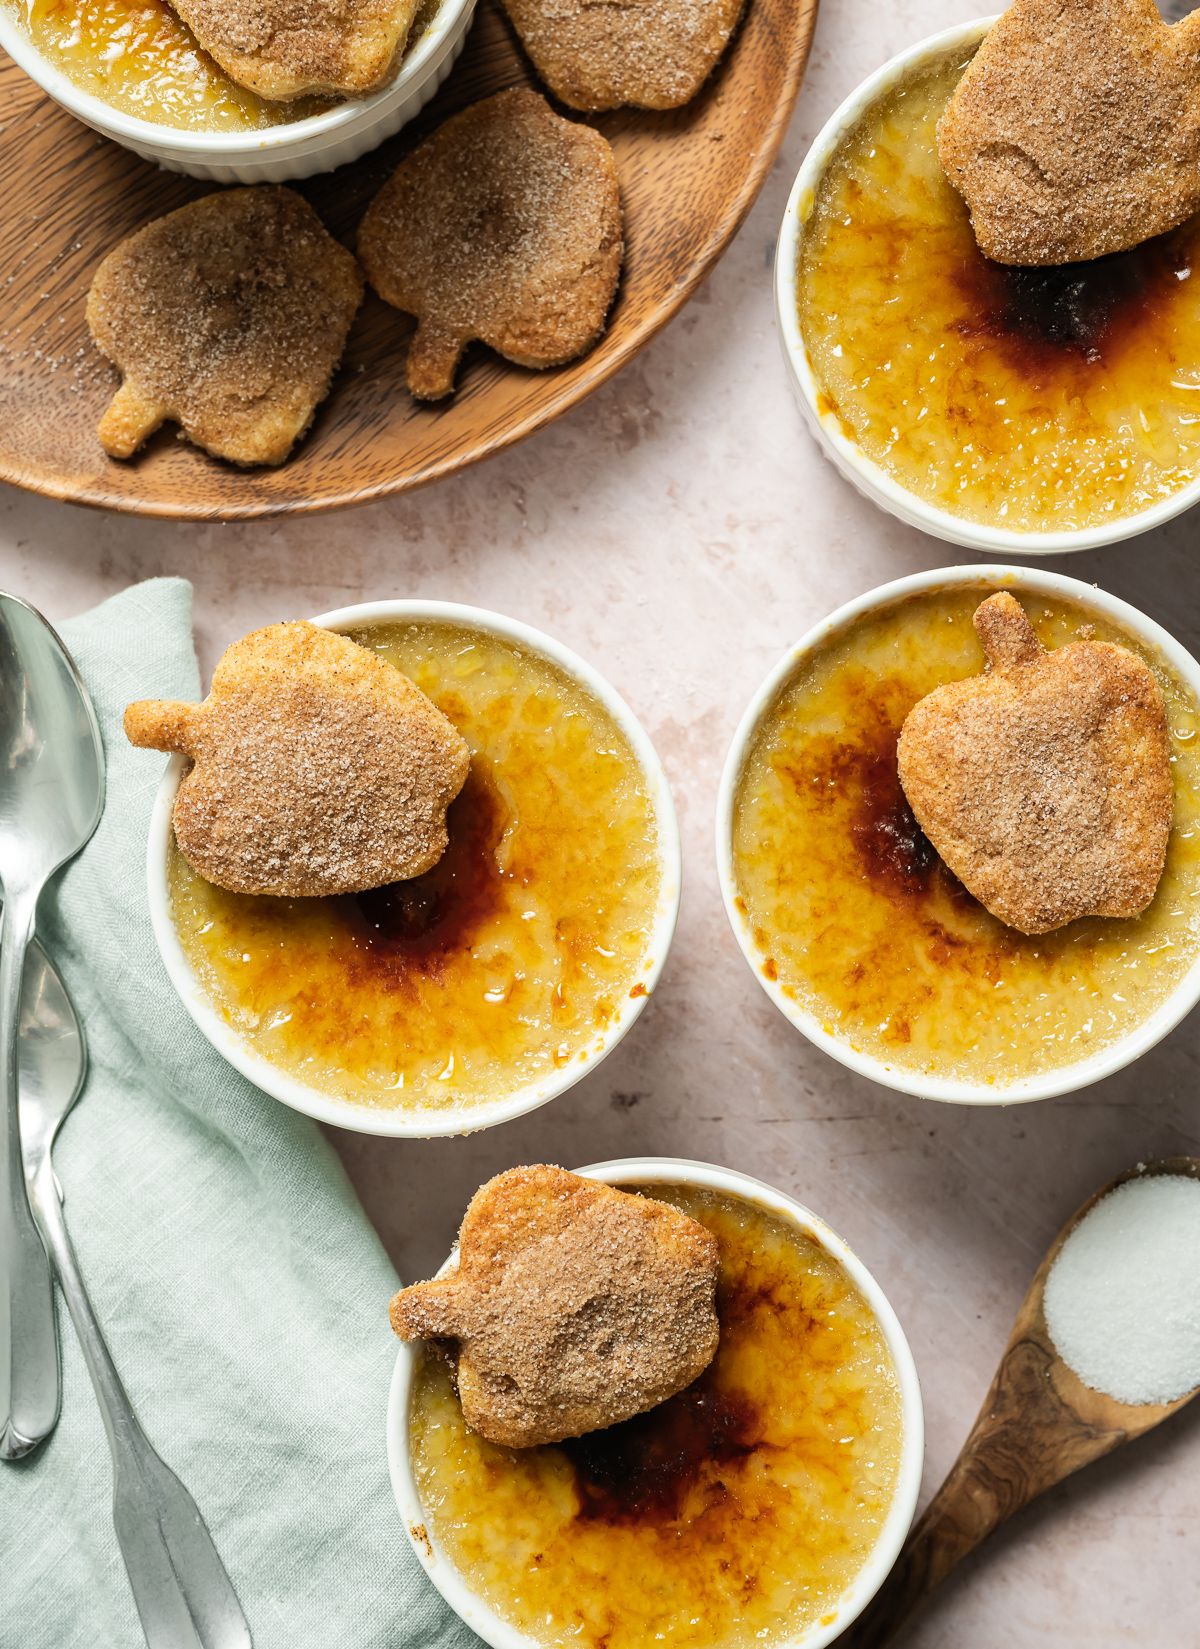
{"points": [[1038, 1424], [53, 760]]}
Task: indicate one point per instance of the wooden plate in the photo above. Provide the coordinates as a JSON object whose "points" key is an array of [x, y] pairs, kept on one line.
{"points": [[688, 178]]}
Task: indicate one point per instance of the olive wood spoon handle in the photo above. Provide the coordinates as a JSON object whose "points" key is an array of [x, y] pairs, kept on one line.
{"points": [[1039, 1423]]}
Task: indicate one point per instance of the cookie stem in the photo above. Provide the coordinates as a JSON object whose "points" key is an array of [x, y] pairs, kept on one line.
{"points": [[1008, 638], [160, 724], [432, 358], [127, 423]]}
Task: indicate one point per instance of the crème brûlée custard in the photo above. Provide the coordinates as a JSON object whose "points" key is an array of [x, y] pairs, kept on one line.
{"points": [[141, 58], [1035, 399], [511, 958], [736, 1513], [862, 925]]}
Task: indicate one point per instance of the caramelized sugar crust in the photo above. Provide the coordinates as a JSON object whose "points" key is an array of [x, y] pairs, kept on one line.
{"points": [[860, 921], [1044, 784], [140, 57], [1041, 400], [735, 1514], [573, 1306], [511, 958]]}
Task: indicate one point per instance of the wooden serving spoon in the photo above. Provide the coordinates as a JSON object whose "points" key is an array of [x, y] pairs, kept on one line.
{"points": [[1039, 1423]]}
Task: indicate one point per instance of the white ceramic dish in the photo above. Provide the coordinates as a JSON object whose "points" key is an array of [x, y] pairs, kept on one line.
{"points": [[1019, 580], [849, 458], [677, 1171], [465, 1119], [274, 155]]}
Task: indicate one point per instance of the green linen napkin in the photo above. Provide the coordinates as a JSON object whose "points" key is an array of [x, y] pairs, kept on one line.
{"points": [[242, 1291]]}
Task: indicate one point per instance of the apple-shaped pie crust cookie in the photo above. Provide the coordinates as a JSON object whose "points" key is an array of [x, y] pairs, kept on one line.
{"points": [[284, 49], [651, 54], [1075, 130], [316, 767], [1044, 784], [574, 1306], [227, 316], [505, 225]]}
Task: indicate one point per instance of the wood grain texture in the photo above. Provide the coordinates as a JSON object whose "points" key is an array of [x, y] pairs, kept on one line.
{"points": [[688, 178], [1039, 1423]]}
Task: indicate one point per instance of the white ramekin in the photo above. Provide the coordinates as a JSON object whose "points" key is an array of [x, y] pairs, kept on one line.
{"points": [[365, 1119], [678, 1171], [1021, 581], [846, 454], [298, 150]]}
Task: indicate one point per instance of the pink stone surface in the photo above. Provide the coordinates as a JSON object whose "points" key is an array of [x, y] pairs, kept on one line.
{"points": [[680, 530]]}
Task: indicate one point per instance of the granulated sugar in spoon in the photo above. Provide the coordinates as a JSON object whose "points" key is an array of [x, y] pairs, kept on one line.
{"points": [[1076, 1380], [1140, 1242]]}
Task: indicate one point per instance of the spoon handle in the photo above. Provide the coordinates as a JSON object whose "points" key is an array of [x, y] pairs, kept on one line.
{"points": [[958, 1517], [29, 1385], [183, 1595], [1026, 1439]]}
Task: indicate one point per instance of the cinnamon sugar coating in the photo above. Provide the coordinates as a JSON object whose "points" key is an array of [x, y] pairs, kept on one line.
{"points": [[227, 316], [1075, 131], [316, 768], [505, 225], [283, 49], [574, 1306], [1045, 783], [654, 54]]}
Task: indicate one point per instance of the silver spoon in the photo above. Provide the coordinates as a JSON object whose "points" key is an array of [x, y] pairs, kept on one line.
{"points": [[183, 1595], [51, 796]]}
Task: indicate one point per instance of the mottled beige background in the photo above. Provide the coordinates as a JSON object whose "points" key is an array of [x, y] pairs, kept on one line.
{"points": [[680, 530]]}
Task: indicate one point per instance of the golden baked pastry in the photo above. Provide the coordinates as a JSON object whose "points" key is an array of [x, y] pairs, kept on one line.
{"points": [[654, 54], [574, 1306], [316, 768], [1045, 783], [504, 225], [283, 49], [227, 316], [1075, 130]]}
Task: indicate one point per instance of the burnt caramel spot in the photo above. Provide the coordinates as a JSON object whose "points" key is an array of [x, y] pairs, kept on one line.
{"points": [[887, 843], [1048, 318], [893, 850], [891, 844], [641, 1472], [644, 1470], [853, 785], [415, 925]]}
